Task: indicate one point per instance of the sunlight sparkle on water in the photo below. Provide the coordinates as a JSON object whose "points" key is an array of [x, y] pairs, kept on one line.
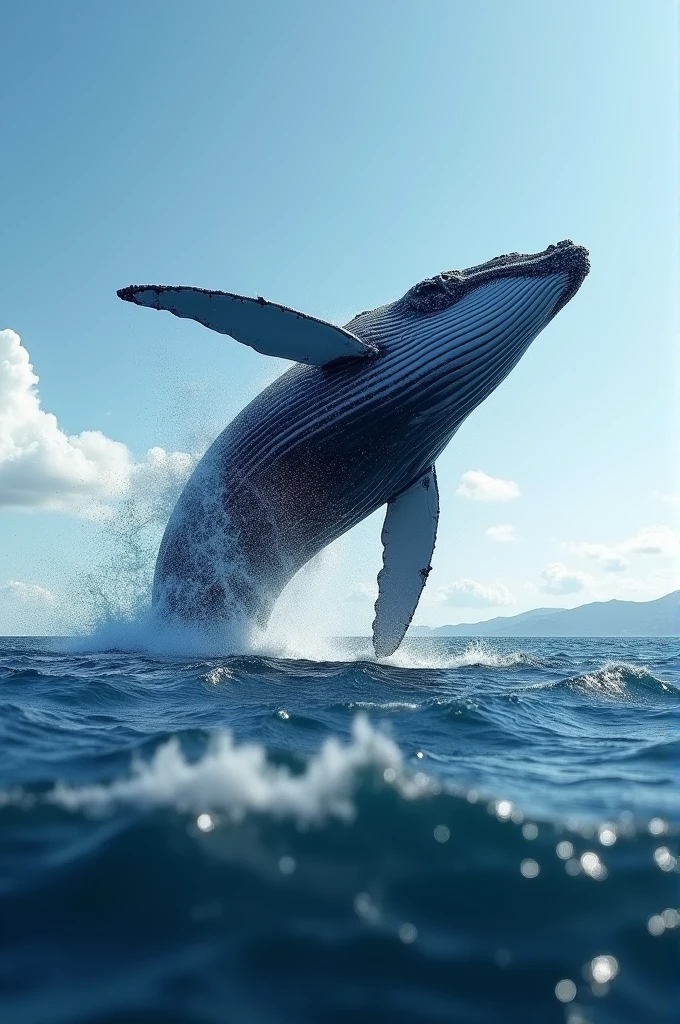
{"points": [[365, 908], [530, 868], [593, 866], [442, 834], [607, 834], [664, 858], [565, 990], [670, 917], [287, 865], [503, 810], [604, 968]]}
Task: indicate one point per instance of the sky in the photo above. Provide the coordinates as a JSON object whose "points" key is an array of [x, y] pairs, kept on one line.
{"points": [[329, 156]]}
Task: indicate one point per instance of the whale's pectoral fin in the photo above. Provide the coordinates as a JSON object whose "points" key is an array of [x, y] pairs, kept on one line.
{"points": [[267, 327], [408, 537]]}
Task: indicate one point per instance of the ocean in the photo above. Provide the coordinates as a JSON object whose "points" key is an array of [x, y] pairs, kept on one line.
{"points": [[474, 832]]}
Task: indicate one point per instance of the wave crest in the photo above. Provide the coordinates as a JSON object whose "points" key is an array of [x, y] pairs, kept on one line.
{"points": [[617, 679], [475, 655], [236, 779]]}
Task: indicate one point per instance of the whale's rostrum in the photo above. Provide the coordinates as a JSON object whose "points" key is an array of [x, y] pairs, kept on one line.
{"points": [[358, 423]]}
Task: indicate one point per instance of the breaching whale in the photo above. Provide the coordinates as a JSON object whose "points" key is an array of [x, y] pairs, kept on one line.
{"points": [[358, 423]]}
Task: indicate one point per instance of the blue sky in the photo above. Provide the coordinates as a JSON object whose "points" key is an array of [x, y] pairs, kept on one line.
{"points": [[328, 157]]}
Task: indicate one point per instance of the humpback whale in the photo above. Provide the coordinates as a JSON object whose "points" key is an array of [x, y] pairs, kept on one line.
{"points": [[357, 423]]}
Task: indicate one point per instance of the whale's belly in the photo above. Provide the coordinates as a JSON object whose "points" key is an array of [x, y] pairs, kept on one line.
{"points": [[303, 463]]}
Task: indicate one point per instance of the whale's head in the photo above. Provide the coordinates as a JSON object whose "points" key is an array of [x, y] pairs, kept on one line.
{"points": [[555, 275], [461, 332]]}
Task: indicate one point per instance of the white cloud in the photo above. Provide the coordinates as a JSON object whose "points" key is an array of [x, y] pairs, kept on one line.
{"points": [[42, 467], [652, 540], [557, 579], [611, 560], [478, 486], [467, 593], [649, 540], [503, 534], [27, 593]]}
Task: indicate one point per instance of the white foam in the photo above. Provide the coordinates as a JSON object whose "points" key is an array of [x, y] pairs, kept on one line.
{"points": [[147, 632], [390, 705], [235, 779], [611, 681], [475, 655]]}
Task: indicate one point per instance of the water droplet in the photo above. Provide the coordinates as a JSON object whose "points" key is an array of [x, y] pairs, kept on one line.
{"points": [[205, 823], [442, 834], [529, 830]]}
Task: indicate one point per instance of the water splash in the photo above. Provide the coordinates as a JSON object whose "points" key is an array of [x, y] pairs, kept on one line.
{"points": [[235, 779], [619, 679]]}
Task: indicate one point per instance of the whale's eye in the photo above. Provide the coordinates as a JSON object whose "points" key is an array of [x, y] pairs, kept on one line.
{"points": [[429, 296]]}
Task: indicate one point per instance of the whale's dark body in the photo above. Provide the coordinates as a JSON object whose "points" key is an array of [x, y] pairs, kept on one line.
{"points": [[325, 446]]}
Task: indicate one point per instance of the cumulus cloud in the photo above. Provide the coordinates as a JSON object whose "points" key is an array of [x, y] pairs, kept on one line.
{"points": [[467, 593], [27, 593], [649, 540], [478, 486], [42, 467], [557, 579], [503, 534], [652, 540], [611, 560]]}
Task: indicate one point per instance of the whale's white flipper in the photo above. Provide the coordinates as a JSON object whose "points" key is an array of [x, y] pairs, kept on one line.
{"points": [[267, 327], [408, 537]]}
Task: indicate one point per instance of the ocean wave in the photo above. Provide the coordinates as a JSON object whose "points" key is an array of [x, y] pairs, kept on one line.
{"points": [[235, 779], [618, 679], [388, 705]]}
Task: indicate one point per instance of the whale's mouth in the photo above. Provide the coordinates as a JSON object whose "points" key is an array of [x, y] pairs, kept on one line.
{"points": [[566, 257], [450, 286]]}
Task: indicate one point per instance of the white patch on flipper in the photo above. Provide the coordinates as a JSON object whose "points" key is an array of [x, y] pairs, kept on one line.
{"points": [[408, 537], [265, 326]]}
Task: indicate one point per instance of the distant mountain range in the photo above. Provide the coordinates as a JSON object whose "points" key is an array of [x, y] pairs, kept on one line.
{"points": [[601, 618]]}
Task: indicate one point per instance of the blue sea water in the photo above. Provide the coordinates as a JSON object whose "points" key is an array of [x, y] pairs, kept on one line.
{"points": [[467, 832]]}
